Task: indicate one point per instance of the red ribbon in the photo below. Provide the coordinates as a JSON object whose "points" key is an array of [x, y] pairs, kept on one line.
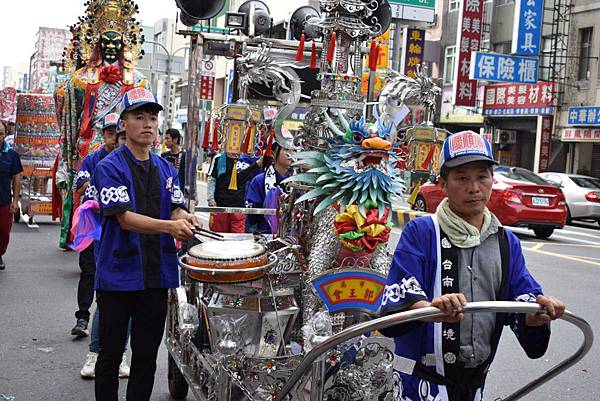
{"points": [[269, 150], [89, 105], [331, 49], [110, 74], [247, 139], [373, 56], [313, 56], [215, 140], [205, 141], [300, 52]]}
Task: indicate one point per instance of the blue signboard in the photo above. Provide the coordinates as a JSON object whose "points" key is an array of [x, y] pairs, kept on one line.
{"points": [[503, 68], [518, 111], [584, 115], [527, 30]]}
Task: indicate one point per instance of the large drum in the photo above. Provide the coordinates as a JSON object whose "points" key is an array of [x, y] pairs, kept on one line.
{"points": [[228, 261]]}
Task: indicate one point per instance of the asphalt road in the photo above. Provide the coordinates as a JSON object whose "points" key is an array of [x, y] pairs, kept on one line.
{"points": [[40, 360]]}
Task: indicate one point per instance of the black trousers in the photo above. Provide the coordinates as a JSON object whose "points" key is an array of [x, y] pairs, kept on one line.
{"points": [[85, 289], [148, 311]]}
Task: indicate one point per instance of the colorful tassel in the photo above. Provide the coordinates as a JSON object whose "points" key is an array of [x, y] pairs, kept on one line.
{"points": [[331, 50], [269, 150], [233, 181], [215, 139], [206, 140], [373, 56], [247, 139], [300, 52], [313, 56]]}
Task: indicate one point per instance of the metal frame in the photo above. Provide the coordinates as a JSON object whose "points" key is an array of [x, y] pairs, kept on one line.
{"points": [[431, 312]]}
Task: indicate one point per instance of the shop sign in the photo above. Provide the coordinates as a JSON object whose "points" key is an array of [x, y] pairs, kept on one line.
{"points": [[580, 135], [504, 68], [414, 10], [383, 59], [584, 115], [545, 143], [518, 99], [414, 50], [207, 80], [468, 40], [527, 29]]}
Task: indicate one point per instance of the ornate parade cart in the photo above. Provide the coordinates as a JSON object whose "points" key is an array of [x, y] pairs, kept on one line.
{"points": [[293, 315], [37, 142]]}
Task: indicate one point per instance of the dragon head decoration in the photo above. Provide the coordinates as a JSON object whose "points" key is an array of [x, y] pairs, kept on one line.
{"points": [[357, 176]]}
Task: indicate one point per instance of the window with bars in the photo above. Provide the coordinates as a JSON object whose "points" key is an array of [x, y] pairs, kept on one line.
{"points": [[449, 60], [453, 5], [585, 52]]}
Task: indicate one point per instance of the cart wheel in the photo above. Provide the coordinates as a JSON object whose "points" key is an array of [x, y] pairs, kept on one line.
{"points": [[178, 387], [31, 220]]}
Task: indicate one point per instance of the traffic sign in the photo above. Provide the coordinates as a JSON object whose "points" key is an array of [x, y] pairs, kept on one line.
{"points": [[413, 10]]}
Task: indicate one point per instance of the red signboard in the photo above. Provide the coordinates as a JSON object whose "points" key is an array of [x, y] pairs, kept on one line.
{"points": [[207, 80], [468, 39], [545, 143], [519, 99]]}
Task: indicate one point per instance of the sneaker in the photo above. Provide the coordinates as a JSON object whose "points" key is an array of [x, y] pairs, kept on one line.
{"points": [[89, 367], [124, 368], [80, 329], [2, 264]]}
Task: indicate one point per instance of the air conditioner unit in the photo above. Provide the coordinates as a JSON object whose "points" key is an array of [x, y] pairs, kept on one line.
{"points": [[505, 137]]}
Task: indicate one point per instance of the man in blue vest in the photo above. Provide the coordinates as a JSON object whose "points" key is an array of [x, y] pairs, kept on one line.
{"points": [[460, 254], [144, 212]]}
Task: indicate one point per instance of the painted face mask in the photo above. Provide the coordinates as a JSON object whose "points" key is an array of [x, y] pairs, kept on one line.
{"points": [[111, 44]]}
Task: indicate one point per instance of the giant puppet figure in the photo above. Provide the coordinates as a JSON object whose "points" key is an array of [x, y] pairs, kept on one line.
{"points": [[107, 41]]}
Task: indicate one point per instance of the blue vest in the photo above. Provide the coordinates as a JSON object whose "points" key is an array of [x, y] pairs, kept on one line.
{"points": [[125, 258]]}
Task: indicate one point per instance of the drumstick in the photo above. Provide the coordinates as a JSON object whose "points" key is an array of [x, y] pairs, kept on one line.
{"points": [[209, 235], [201, 230]]}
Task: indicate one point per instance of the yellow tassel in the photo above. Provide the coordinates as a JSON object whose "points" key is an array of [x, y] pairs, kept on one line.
{"points": [[233, 181]]}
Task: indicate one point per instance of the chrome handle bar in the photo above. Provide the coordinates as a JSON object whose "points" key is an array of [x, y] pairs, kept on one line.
{"points": [[431, 312]]}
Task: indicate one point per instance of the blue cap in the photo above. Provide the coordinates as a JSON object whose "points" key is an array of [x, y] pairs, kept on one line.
{"points": [[136, 98], [110, 120], [465, 147]]}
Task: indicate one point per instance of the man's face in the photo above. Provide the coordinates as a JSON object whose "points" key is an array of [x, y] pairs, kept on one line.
{"points": [[469, 188], [141, 127], [111, 43], [168, 140], [109, 135], [284, 158], [122, 140]]}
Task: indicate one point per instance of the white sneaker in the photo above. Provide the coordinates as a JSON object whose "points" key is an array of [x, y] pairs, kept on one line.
{"points": [[89, 367], [124, 368]]}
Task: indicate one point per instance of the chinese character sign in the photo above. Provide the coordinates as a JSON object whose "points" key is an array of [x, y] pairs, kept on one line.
{"points": [[414, 48], [504, 68], [468, 39], [527, 29], [584, 115], [207, 81], [580, 135], [519, 99], [545, 143]]}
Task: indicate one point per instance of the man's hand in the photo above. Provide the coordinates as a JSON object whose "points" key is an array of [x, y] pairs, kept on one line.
{"points": [[14, 207], [181, 230], [212, 203], [180, 214], [553, 309], [451, 304]]}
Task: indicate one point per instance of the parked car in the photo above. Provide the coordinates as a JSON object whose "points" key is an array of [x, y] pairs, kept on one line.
{"points": [[582, 194], [519, 198]]}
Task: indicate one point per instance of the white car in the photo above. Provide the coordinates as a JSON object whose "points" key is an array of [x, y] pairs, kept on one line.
{"points": [[582, 193]]}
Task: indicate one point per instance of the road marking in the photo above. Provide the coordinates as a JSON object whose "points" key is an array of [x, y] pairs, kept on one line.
{"points": [[569, 245], [568, 257], [563, 231], [537, 246], [575, 239]]}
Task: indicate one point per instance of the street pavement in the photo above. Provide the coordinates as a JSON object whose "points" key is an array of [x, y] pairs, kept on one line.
{"points": [[40, 360]]}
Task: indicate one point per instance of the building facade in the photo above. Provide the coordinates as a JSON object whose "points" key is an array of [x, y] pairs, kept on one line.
{"points": [[49, 46]]}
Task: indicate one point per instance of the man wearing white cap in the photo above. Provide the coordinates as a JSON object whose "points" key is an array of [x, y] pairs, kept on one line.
{"points": [[144, 212], [460, 254], [87, 264]]}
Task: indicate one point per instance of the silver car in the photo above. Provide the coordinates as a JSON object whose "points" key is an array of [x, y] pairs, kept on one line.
{"points": [[582, 193]]}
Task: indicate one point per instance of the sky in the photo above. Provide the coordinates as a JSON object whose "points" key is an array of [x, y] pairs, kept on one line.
{"points": [[21, 19]]}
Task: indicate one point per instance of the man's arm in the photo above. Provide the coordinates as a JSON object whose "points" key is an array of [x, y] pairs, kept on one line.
{"points": [[16, 187], [81, 190], [181, 229]]}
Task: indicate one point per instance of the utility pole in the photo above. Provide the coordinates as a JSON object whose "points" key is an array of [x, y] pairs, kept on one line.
{"points": [[168, 72]]}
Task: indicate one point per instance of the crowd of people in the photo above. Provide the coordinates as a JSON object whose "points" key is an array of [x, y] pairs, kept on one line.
{"points": [[128, 255]]}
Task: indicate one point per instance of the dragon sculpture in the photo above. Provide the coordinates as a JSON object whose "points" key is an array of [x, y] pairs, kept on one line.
{"points": [[260, 67]]}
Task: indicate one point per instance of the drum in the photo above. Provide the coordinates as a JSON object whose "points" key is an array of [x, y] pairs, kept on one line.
{"points": [[228, 261]]}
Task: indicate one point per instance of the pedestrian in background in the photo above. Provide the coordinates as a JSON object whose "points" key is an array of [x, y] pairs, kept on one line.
{"points": [[10, 189], [228, 178], [175, 155], [143, 209]]}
